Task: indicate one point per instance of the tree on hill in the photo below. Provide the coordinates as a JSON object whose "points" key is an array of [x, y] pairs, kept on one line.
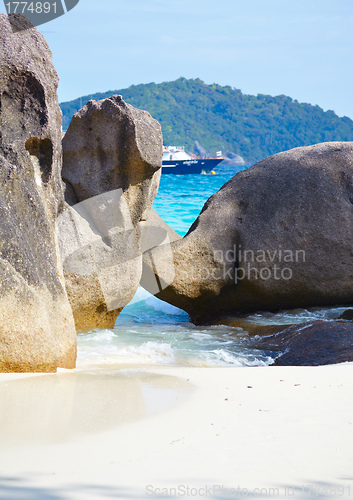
{"points": [[223, 118]]}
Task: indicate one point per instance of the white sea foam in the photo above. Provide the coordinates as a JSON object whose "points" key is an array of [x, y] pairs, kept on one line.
{"points": [[296, 316], [147, 335], [102, 336], [201, 336], [109, 349], [146, 353], [152, 352]]}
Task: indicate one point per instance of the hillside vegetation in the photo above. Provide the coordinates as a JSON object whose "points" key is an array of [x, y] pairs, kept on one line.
{"points": [[223, 118]]}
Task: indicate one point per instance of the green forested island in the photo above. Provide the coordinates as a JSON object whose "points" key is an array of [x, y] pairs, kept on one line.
{"points": [[223, 118]]}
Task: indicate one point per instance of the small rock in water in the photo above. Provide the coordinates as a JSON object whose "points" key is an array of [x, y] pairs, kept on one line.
{"points": [[311, 344], [347, 314]]}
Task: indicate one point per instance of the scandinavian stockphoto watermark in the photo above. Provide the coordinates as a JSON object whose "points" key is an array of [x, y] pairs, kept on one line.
{"points": [[37, 12], [239, 264], [260, 264]]}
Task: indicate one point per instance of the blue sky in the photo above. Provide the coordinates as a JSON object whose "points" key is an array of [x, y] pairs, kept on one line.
{"points": [[301, 48]]}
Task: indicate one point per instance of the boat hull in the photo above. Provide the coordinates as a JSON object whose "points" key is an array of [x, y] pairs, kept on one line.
{"points": [[183, 167]]}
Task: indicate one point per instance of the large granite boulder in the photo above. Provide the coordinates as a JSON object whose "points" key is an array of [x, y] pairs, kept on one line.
{"points": [[311, 344], [36, 325], [278, 235], [112, 167]]}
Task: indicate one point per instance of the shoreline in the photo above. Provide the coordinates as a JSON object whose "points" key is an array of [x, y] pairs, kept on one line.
{"points": [[284, 428]]}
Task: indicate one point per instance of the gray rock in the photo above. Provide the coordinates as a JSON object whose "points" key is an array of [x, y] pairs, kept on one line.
{"points": [[232, 159], [347, 315], [112, 168], [37, 330], [311, 344], [278, 235], [201, 151]]}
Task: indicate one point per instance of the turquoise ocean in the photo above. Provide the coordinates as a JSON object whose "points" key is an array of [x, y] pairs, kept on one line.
{"points": [[151, 331]]}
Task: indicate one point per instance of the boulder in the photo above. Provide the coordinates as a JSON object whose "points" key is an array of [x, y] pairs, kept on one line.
{"points": [[278, 235], [311, 344], [112, 167], [200, 150], [347, 315], [233, 159], [36, 325]]}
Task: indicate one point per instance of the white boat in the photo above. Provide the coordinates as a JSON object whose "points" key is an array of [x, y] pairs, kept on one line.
{"points": [[176, 161]]}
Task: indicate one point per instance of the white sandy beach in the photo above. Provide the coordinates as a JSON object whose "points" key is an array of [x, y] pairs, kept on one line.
{"points": [[176, 432]]}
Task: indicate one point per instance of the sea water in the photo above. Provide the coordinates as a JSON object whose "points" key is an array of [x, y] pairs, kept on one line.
{"points": [[151, 331]]}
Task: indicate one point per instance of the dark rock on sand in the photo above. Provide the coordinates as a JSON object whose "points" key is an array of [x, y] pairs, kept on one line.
{"points": [[311, 344], [278, 235], [112, 167], [36, 325]]}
